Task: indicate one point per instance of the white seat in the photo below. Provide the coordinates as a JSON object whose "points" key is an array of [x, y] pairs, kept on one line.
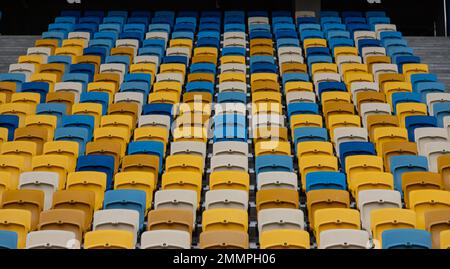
{"points": [[433, 150], [384, 28], [237, 199], [362, 87], [128, 43], [80, 35], [423, 136], [265, 120], [258, 20], [373, 51], [233, 87], [349, 134], [154, 120], [276, 179], [233, 67], [145, 59], [178, 51], [39, 51], [380, 68], [290, 58], [133, 97], [234, 42], [369, 200], [436, 97], [344, 239], [290, 51], [177, 199], [73, 87], [300, 97], [188, 147], [26, 69], [227, 162], [280, 219], [166, 239], [52, 239], [43, 181], [158, 35], [233, 35], [230, 148], [117, 219], [178, 77], [115, 68], [373, 109], [347, 59]]}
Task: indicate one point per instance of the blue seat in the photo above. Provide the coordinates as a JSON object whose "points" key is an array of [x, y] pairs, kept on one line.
{"points": [[423, 88], [351, 13], [234, 27], [159, 43], [10, 122], [363, 43], [114, 19], [60, 27], [405, 97], [96, 97], [102, 43], [127, 199], [307, 34], [96, 20], [85, 27], [159, 27], [232, 97], [401, 60], [8, 240], [340, 42], [60, 36], [378, 20], [56, 109], [96, 51], [337, 34], [156, 51], [139, 20], [110, 28], [260, 34], [370, 14], [148, 147], [157, 109], [309, 26], [175, 59], [229, 51], [319, 51], [354, 148], [272, 163], [116, 59], [139, 77], [38, 87], [230, 133], [406, 239], [134, 27], [183, 35], [288, 42], [13, 77], [77, 77], [141, 87], [329, 86], [304, 134], [418, 121], [294, 77], [325, 180], [261, 59], [59, 59], [441, 110], [83, 121], [406, 163], [417, 78], [349, 20], [200, 86], [202, 68], [76, 134], [85, 68], [353, 27], [98, 163], [263, 68], [208, 42], [334, 26], [209, 27], [301, 20], [302, 108], [318, 59], [330, 20], [390, 35]]}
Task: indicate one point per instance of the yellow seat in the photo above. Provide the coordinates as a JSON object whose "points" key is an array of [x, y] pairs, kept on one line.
{"points": [[53, 163], [346, 68], [392, 87], [362, 163], [26, 149], [7, 88], [232, 77], [181, 42], [123, 121], [228, 219], [345, 51], [108, 77], [334, 96], [314, 42], [92, 109], [78, 43], [47, 121], [352, 76], [146, 68], [124, 51], [316, 163], [108, 87], [426, 200], [88, 181], [277, 198], [261, 49], [305, 120], [31, 98], [113, 134], [270, 134], [284, 239], [335, 218], [342, 120], [314, 148], [388, 134], [144, 181], [391, 218], [324, 68], [272, 148], [65, 148], [164, 97], [31, 59], [266, 97], [49, 43], [53, 68], [369, 181], [184, 180], [445, 239], [16, 220], [69, 51], [151, 134], [229, 180], [21, 110], [293, 67], [325, 198], [12, 166], [420, 180], [184, 163], [263, 77], [206, 51], [410, 109], [410, 69], [193, 134], [109, 239], [229, 59], [167, 86], [172, 68], [301, 86]]}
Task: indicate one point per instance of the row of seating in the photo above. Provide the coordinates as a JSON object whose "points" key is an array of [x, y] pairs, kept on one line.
{"points": [[102, 114]]}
